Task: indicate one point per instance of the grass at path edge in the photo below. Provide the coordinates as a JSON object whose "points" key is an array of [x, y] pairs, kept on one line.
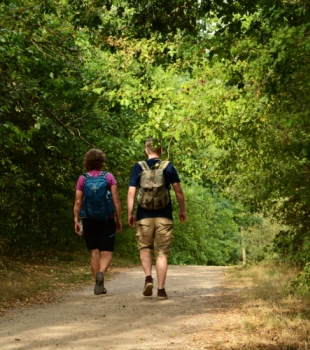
{"points": [[40, 278]]}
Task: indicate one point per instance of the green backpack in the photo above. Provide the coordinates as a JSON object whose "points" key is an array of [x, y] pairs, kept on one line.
{"points": [[152, 193]]}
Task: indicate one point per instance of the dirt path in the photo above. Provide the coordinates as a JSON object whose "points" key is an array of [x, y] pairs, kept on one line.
{"points": [[124, 319]]}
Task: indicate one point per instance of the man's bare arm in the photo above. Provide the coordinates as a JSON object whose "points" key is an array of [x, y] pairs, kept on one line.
{"points": [[180, 198], [130, 205]]}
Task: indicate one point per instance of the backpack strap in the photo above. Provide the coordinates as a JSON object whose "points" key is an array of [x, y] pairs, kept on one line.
{"points": [[104, 174], [163, 164], [143, 165], [87, 176]]}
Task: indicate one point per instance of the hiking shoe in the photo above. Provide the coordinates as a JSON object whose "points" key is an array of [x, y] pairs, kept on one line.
{"points": [[99, 287], [161, 294], [148, 287]]}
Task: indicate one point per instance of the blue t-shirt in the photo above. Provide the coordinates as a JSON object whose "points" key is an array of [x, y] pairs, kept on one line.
{"points": [[171, 177]]}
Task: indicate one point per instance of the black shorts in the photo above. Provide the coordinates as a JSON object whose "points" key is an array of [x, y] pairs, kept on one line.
{"points": [[99, 234]]}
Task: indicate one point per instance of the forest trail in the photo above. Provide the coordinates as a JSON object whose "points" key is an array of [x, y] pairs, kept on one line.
{"points": [[123, 319]]}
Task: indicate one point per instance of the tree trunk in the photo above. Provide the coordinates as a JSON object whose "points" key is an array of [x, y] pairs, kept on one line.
{"points": [[243, 247], [243, 256]]}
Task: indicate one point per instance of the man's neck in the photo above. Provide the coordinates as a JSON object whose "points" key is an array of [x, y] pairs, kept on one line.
{"points": [[153, 155]]}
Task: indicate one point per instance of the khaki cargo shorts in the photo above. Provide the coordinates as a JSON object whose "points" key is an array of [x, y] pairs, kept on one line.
{"points": [[155, 234]]}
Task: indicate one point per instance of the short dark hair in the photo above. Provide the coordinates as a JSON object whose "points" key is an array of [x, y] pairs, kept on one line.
{"points": [[94, 159], [153, 145]]}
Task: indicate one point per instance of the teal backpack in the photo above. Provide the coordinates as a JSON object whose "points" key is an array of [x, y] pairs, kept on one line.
{"points": [[97, 200]]}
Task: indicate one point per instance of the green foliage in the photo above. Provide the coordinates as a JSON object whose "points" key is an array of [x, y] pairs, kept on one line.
{"points": [[239, 116], [258, 240], [45, 118], [223, 84], [302, 280], [210, 236]]}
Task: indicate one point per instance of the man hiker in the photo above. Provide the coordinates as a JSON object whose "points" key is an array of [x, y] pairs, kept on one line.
{"points": [[154, 221], [96, 203]]}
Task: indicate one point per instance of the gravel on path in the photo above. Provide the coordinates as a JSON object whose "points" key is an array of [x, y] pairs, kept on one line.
{"points": [[123, 318]]}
